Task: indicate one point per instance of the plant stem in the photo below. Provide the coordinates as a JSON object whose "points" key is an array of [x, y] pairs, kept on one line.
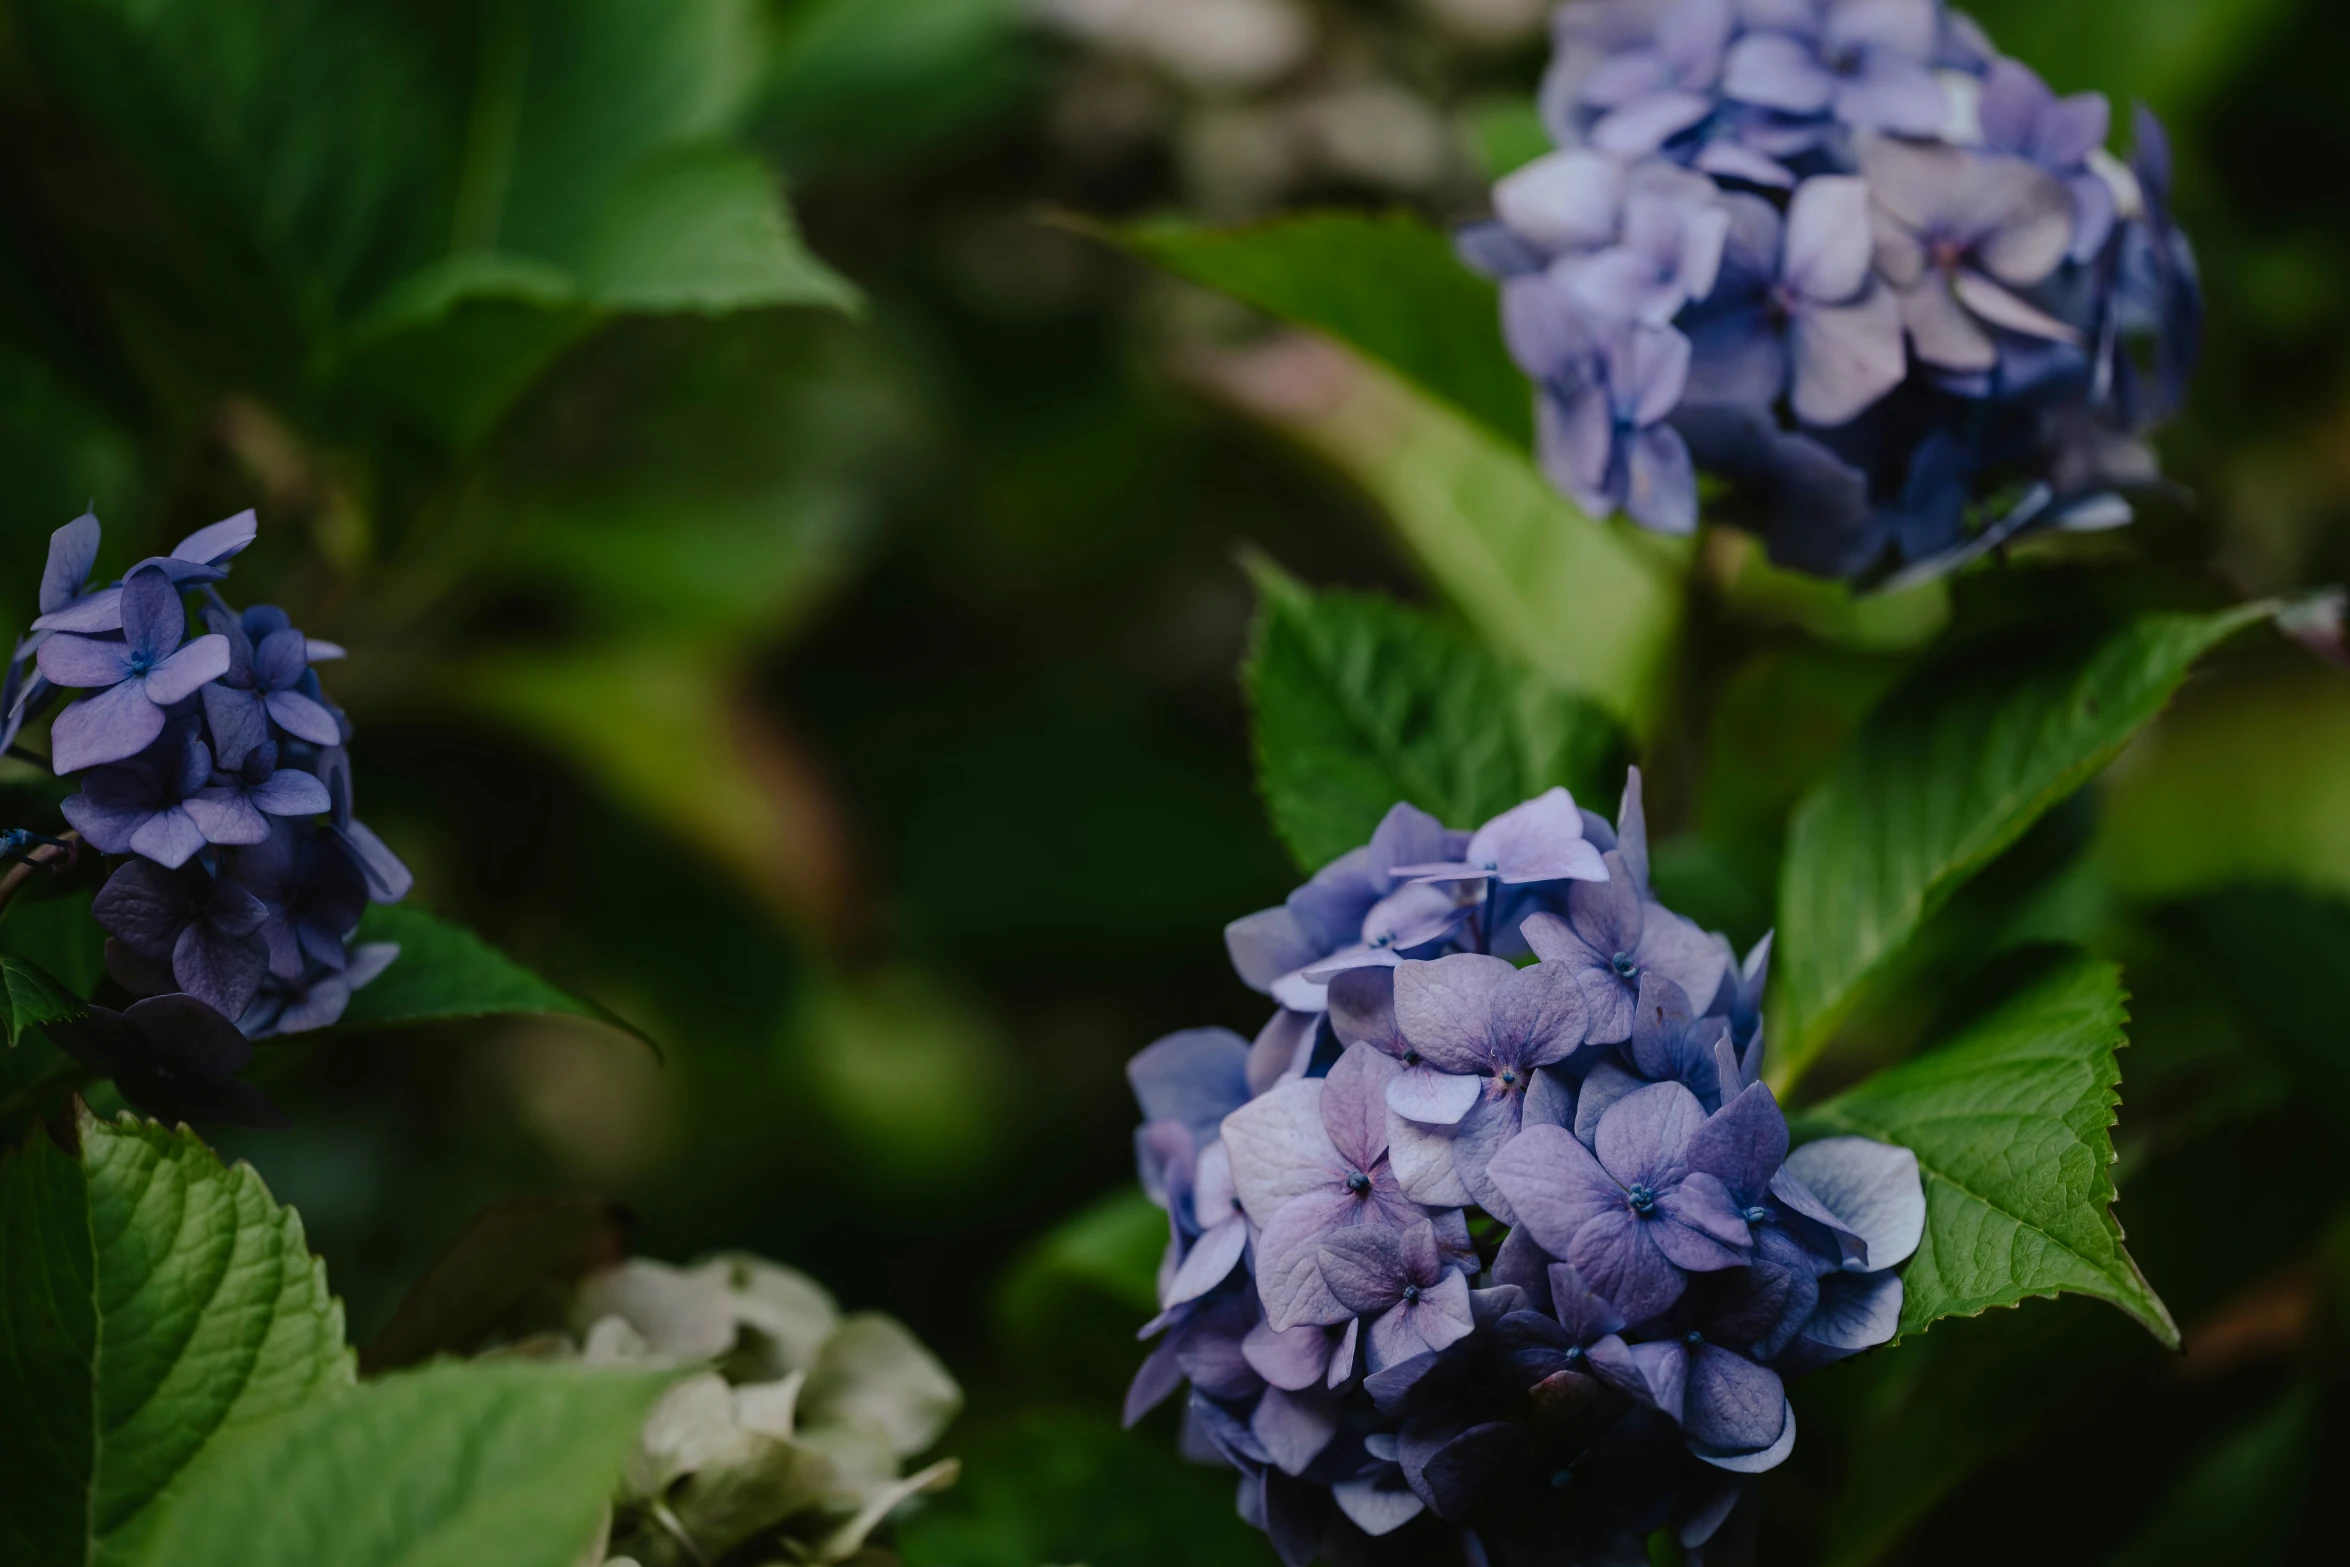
{"points": [[62, 857]]}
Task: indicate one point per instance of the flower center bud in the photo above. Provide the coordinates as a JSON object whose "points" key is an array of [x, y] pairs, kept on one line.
{"points": [[141, 665], [1357, 1182], [1642, 1201], [1411, 1294], [1756, 1214], [1509, 1078], [1693, 1338], [1624, 966], [1411, 1058]]}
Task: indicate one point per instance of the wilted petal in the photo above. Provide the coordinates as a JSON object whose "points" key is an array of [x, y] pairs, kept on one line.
{"points": [[1872, 1188]]}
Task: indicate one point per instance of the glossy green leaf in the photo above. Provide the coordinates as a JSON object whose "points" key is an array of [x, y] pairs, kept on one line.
{"points": [[1360, 703], [153, 1303], [445, 971], [29, 996], [2012, 1125], [1388, 287], [462, 1464], [1596, 606], [1950, 770]]}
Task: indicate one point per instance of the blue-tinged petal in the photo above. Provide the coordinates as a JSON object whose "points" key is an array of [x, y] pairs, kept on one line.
{"points": [[1602, 1087], [1555, 1185], [1845, 358], [1377, 1506], [1732, 1405], [187, 671], [1160, 1374], [1872, 1187], [1758, 1463], [1743, 1144], [1421, 1155], [1266, 945], [221, 970], [1294, 1358], [84, 663], [1563, 201], [303, 718], [92, 614], [222, 541], [1618, 1255], [1541, 840], [1288, 1258], [1777, 71], [1430, 1097], [170, 837], [1644, 1137], [1294, 1427], [1655, 1373], [1209, 1262], [153, 618], [289, 792], [1196, 1076], [1698, 1227], [73, 550], [1280, 1149], [112, 726]]}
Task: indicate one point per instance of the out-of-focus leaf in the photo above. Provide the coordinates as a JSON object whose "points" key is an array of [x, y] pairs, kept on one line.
{"points": [[445, 971], [911, 1067], [1112, 1247], [507, 1256], [1597, 607], [2181, 811], [2242, 1500], [1950, 770], [1068, 1486], [1779, 725], [1389, 288], [2170, 53], [703, 228], [2276, 955], [855, 82], [1508, 134], [1754, 590], [154, 1304], [664, 730], [29, 996], [1360, 703], [2012, 1125], [509, 1463]]}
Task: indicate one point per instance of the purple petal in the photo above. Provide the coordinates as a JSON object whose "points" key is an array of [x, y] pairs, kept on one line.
{"points": [[1606, 918], [1404, 836], [1362, 1010], [1364, 1267], [1266, 945], [1538, 1017], [1549, 1102], [1584, 1315], [112, 726], [1681, 951], [145, 906], [223, 540], [1644, 1137], [223, 815], [1441, 1008], [1342, 1358], [1776, 71], [1288, 1251], [1422, 1093], [1602, 1087], [1548, 332], [1378, 1506], [1354, 1105], [2071, 129], [1209, 1262], [1743, 1143], [92, 614], [238, 720], [1662, 491], [1621, 78], [2003, 309], [1280, 1150], [1699, 1227], [153, 618], [169, 837], [185, 672], [1421, 1155], [303, 718], [84, 662], [1893, 94], [1732, 1405], [1645, 124], [221, 970], [1196, 1076], [1442, 1316], [1282, 1048], [1575, 439], [1293, 1428], [1648, 368], [1829, 248], [289, 792], [1941, 331], [1857, 1311], [1631, 846], [1555, 1186], [1617, 1254], [1563, 201], [1482, 1133], [1873, 1189], [1757, 1463], [1160, 1374], [73, 550], [280, 659], [1294, 1359], [1541, 840], [1730, 160], [1655, 1373], [1846, 357], [106, 823], [388, 878]]}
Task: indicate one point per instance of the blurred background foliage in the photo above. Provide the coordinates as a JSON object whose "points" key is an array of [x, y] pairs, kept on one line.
{"points": [[794, 590]]}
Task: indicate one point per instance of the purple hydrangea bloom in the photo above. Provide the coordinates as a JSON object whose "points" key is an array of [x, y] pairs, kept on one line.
{"points": [[1640, 1210], [235, 807], [173, 1058], [1611, 937], [206, 928], [1866, 62], [1416, 1298], [311, 894], [1541, 840], [1958, 233], [1665, 83], [1310, 1159], [319, 998], [145, 805], [136, 678], [68, 603], [1603, 433], [1801, 313], [1357, 912], [269, 663]]}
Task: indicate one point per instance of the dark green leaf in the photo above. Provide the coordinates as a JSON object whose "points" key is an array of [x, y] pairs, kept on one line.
{"points": [[507, 1463], [1360, 703], [1389, 287], [446, 971], [2012, 1125], [2244, 1498], [28, 996], [153, 1301], [1949, 771], [703, 228], [508, 1255]]}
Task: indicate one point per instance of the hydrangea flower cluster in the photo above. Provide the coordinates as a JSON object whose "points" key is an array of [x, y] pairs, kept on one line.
{"points": [[1843, 256], [1494, 1231], [788, 1439], [214, 766]]}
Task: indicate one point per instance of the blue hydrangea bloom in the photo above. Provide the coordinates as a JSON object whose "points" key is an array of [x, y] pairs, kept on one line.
{"points": [[1843, 256], [1511, 1257]]}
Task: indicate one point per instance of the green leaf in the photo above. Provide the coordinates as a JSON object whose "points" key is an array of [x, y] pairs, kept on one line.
{"points": [[28, 996], [509, 1255], [1389, 287], [1507, 133], [1949, 771], [2012, 1125], [507, 1463], [1360, 703], [703, 228], [445, 971], [2244, 1498], [1596, 606], [153, 1302]]}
